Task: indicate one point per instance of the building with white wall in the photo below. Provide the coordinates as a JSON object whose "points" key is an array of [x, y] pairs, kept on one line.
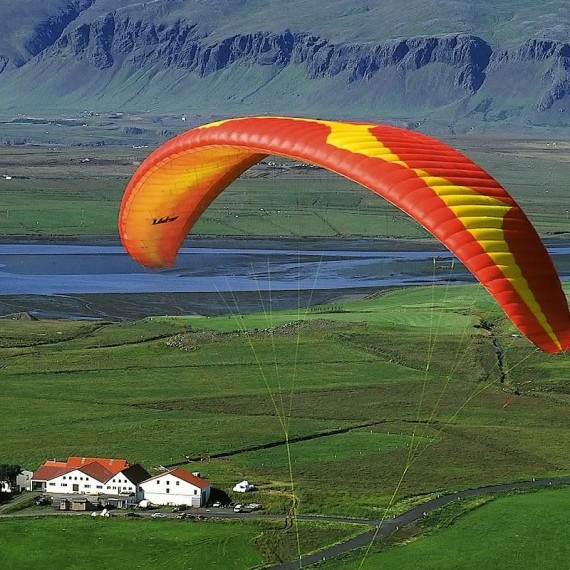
{"points": [[23, 483], [176, 487], [115, 482], [105, 481]]}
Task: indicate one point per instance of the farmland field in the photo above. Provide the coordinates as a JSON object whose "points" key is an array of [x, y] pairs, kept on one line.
{"points": [[348, 384], [90, 543], [518, 531], [70, 192], [354, 408]]}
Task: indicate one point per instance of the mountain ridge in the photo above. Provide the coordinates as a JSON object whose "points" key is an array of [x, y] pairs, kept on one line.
{"points": [[149, 57]]}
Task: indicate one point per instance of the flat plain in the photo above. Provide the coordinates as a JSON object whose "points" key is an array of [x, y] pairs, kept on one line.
{"points": [[69, 192]]}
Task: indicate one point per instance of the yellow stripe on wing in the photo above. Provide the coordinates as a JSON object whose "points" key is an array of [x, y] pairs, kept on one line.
{"points": [[483, 218], [480, 214]]}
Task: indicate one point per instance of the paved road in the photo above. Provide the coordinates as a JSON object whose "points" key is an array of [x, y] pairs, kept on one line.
{"points": [[389, 526]]}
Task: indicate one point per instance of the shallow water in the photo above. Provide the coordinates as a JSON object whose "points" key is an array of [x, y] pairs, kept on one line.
{"points": [[33, 270]]}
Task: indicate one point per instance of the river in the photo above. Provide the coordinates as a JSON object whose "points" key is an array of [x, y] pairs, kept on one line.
{"points": [[290, 276]]}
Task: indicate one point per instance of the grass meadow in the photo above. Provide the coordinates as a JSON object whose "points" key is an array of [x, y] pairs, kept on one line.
{"points": [[86, 543], [70, 191], [355, 408], [518, 531], [363, 390], [83, 542]]}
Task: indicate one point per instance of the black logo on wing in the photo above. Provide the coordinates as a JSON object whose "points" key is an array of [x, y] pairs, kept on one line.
{"points": [[164, 220]]}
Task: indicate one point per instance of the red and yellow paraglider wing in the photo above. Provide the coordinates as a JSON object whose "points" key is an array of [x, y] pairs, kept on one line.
{"points": [[452, 197]]}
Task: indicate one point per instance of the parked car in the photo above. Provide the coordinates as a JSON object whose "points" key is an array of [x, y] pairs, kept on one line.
{"points": [[180, 508], [217, 504], [181, 515], [133, 515], [253, 507], [159, 516], [238, 508]]}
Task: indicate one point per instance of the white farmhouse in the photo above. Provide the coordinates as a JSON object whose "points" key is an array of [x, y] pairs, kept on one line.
{"points": [[105, 481], [176, 487]]}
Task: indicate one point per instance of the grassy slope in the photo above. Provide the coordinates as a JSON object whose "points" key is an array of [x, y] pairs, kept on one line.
{"points": [[518, 531], [116, 391], [347, 20], [244, 89]]}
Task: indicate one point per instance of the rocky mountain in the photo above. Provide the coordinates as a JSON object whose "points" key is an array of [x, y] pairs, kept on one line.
{"points": [[447, 65]]}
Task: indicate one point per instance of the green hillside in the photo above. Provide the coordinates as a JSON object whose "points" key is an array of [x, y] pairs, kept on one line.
{"points": [[450, 65]]}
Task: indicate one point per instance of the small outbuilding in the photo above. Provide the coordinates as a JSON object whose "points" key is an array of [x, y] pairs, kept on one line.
{"points": [[22, 483]]}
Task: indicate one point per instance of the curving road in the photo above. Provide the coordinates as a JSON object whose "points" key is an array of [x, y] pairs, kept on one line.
{"points": [[389, 526]]}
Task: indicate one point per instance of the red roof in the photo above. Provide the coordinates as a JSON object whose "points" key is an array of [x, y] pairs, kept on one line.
{"points": [[189, 478], [112, 465], [97, 467], [50, 470], [97, 471]]}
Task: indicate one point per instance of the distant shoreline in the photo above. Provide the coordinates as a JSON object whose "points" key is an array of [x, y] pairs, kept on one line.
{"points": [[277, 242]]}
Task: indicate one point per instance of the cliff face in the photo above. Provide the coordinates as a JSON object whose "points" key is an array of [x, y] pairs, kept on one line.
{"points": [[47, 31], [455, 77], [144, 44]]}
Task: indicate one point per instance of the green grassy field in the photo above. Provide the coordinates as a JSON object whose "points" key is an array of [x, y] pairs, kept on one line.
{"points": [[63, 191], [364, 390], [518, 531], [372, 386], [83, 542], [86, 543]]}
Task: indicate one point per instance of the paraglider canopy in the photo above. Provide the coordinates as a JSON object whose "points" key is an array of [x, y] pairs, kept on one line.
{"points": [[447, 193]]}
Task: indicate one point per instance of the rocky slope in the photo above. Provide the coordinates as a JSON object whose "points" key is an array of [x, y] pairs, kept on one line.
{"points": [[157, 57]]}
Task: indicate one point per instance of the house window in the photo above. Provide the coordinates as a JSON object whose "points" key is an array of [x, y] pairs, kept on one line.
{"points": [[64, 476], [52, 483], [168, 490], [114, 481], [178, 482], [168, 482], [64, 484], [81, 478], [195, 491], [75, 478], [87, 486], [99, 486], [108, 486], [158, 481]]}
